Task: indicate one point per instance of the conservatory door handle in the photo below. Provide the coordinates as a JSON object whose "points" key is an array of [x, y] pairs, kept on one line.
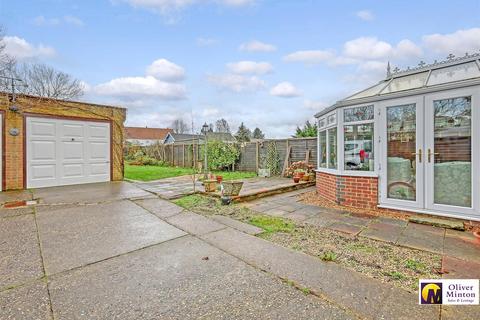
{"points": [[430, 154], [419, 153]]}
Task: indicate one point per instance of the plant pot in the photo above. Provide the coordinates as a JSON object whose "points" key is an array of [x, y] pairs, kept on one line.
{"points": [[296, 179], [311, 177], [219, 179], [476, 234], [300, 174], [232, 188], [210, 185]]}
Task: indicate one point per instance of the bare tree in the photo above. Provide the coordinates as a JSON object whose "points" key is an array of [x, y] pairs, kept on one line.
{"points": [[7, 62], [45, 81], [179, 126], [221, 125]]}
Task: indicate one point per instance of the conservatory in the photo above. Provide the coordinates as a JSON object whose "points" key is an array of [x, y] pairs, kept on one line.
{"points": [[410, 142]]}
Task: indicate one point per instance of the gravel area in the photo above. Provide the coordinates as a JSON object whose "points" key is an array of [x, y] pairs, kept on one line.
{"points": [[384, 261]]}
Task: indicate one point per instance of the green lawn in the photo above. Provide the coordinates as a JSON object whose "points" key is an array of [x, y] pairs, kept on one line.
{"points": [[148, 173]]}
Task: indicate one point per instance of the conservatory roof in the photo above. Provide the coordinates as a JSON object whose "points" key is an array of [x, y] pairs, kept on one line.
{"points": [[451, 73]]}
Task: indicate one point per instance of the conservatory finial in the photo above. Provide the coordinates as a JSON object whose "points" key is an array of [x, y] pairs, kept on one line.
{"points": [[389, 72]]}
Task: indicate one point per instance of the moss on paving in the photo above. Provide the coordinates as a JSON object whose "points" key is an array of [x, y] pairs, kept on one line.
{"points": [[384, 261]]}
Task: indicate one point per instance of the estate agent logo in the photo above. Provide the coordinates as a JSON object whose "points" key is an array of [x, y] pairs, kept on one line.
{"points": [[449, 291], [431, 293]]}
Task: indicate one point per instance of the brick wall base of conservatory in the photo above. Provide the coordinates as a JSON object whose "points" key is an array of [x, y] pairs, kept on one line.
{"points": [[356, 192]]}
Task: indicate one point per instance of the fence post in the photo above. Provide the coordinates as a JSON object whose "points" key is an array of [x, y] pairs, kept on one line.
{"points": [[173, 155], [256, 157], [183, 155]]}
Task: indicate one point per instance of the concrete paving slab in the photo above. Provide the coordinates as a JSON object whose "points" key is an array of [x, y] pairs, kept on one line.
{"points": [[460, 312], [438, 222], [78, 236], [25, 302], [422, 237], [397, 222], [174, 280], [20, 259], [366, 297], [159, 207], [235, 224], [89, 193], [462, 248], [346, 228], [194, 223], [5, 213], [382, 231], [320, 221], [358, 221], [299, 216], [276, 212], [460, 269]]}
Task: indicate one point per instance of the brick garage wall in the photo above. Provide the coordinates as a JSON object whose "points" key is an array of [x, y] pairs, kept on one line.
{"points": [[357, 192], [13, 149]]}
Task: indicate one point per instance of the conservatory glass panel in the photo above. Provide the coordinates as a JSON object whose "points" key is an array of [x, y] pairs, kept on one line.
{"points": [[412, 81], [321, 123], [401, 156], [452, 155], [358, 147], [368, 92], [322, 138], [331, 119], [454, 73], [358, 114], [332, 148]]}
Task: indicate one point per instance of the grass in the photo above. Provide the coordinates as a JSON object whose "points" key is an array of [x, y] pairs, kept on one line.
{"points": [[361, 247], [272, 224], [329, 256], [149, 173], [192, 201], [396, 275], [415, 265]]}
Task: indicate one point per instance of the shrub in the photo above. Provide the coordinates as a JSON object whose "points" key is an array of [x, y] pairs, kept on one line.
{"points": [[221, 155], [297, 166]]}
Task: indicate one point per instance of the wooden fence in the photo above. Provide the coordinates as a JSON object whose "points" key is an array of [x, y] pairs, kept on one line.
{"points": [[251, 153]]}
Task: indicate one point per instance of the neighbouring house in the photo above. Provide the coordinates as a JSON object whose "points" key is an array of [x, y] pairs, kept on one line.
{"points": [[48, 142], [145, 136], [185, 138], [409, 143]]}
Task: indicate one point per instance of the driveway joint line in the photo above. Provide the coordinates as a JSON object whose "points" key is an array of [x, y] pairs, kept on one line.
{"points": [[45, 277]]}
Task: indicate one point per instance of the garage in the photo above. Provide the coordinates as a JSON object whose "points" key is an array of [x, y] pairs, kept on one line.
{"points": [[49, 142], [61, 151]]}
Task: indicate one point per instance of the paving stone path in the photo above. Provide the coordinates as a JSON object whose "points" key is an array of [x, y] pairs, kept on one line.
{"points": [[460, 251]]}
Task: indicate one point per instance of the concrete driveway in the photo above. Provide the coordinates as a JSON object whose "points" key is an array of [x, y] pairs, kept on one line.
{"points": [[106, 251], [114, 251]]}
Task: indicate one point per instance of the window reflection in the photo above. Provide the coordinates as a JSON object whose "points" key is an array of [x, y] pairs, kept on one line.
{"points": [[359, 147]]}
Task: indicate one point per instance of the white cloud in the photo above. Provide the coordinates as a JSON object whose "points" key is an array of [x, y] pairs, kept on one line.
{"points": [[205, 42], [210, 112], [310, 56], [250, 67], [314, 105], [21, 49], [367, 48], [166, 70], [166, 6], [68, 19], [142, 86], [365, 15], [458, 42], [285, 90], [237, 83], [73, 21], [257, 46]]}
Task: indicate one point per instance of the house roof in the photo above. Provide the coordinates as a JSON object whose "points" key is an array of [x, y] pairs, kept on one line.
{"points": [[451, 73], [146, 133], [222, 136]]}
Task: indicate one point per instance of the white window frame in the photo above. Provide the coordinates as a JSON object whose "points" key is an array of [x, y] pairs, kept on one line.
{"points": [[339, 124], [326, 128]]}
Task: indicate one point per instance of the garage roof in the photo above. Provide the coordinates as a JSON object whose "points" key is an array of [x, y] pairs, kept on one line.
{"points": [[453, 72]]}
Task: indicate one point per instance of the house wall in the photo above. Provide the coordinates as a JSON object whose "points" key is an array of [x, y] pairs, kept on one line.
{"points": [[13, 152], [349, 191]]}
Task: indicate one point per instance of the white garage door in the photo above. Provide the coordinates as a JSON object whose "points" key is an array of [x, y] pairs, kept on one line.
{"points": [[63, 152]]}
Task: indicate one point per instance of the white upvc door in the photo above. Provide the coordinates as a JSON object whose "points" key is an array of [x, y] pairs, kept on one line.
{"points": [[452, 138], [402, 155]]}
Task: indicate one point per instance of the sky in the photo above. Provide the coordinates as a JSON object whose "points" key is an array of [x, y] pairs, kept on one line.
{"points": [[269, 64]]}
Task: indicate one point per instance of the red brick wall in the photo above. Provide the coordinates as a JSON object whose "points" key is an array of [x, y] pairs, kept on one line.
{"points": [[358, 192]]}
